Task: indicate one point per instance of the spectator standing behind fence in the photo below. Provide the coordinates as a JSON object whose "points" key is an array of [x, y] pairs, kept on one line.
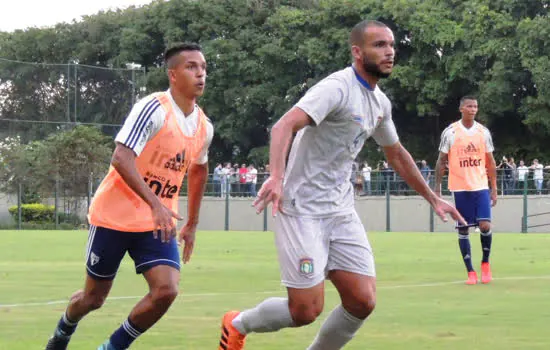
{"points": [[217, 179], [226, 173], [426, 171], [523, 172], [538, 175], [366, 172], [251, 180], [242, 180], [234, 180], [507, 175], [512, 163]]}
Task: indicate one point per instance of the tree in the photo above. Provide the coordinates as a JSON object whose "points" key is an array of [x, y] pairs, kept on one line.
{"points": [[73, 157]]}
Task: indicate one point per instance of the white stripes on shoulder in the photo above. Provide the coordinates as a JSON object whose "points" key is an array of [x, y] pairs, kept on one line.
{"points": [[140, 123]]}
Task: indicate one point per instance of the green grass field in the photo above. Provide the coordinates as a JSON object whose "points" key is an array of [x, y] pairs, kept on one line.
{"points": [[422, 302]]}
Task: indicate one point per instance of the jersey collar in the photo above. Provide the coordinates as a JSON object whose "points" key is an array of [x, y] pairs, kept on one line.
{"points": [[361, 80]]}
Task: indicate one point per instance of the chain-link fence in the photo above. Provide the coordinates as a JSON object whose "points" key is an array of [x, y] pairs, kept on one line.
{"points": [[37, 99]]}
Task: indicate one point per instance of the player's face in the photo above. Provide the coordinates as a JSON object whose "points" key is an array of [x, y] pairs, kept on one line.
{"points": [[377, 54], [189, 76], [469, 109]]}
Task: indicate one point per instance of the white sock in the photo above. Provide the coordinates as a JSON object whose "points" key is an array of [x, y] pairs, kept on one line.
{"points": [[269, 316], [337, 330]]}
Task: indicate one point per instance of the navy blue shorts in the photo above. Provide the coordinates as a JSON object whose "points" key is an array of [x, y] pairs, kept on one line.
{"points": [[107, 247], [474, 206]]}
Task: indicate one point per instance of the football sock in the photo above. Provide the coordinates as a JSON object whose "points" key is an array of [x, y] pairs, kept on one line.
{"points": [[125, 335], [337, 330], [486, 240], [269, 316], [465, 250]]}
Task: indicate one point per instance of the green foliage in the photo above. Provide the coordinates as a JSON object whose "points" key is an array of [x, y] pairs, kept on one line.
{"points": [[264, 54], [36, 212]]}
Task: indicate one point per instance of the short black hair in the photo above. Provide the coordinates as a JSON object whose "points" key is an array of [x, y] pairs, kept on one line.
{"points": [[356, 36], [467, 97], [174, 49]]}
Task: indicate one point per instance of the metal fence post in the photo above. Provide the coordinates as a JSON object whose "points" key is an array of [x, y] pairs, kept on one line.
{"points": [[56, 202], [265, 219], [227, 189], [19, 204], [388, 218], [524, 218], [432, 219]]}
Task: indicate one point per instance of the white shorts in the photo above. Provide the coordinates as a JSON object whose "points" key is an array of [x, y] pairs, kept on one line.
{"points": [[308, 248]]}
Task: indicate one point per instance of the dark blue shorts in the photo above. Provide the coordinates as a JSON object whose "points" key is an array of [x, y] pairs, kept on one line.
{"points": [[474, 206], [107, 247]]}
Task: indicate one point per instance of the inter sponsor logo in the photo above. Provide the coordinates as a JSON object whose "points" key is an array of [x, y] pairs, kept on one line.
{"points": [[160, 186], [470, 162]]}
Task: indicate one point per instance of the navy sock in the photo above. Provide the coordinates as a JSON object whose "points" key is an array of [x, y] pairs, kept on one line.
{"points": [[65, 327], [486, 240], [465, 250], [125, 335]]}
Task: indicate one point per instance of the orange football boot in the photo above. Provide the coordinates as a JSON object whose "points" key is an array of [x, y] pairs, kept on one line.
{"points": [[486, 275], [472, 278], [231, 338]]}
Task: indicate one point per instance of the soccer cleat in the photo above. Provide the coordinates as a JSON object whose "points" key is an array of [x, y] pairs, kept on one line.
{"points": [[106, 346], [58, 343], [231, 338], [472, 278], [486, 275]]}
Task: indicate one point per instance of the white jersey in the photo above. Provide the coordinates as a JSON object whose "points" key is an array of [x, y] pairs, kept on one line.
{"points": [[147, 118], [448, 137], [346, 111]]}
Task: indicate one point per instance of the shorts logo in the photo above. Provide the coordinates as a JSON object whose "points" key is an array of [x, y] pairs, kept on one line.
{"points": [[306, 266], [94, 259]]}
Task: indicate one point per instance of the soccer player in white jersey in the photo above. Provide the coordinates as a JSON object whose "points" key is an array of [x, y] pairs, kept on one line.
{"points": [[318, 233]]}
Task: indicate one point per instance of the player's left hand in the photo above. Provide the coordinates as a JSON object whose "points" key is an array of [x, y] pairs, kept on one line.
{"points": [[493, 197], [187, 237], [442, 208]]}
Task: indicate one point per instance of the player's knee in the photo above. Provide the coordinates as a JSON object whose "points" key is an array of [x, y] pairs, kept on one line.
{"points": [[94, 300], [463, 233], [164, 295], [304, 314], [362, 307], [485, 227]]}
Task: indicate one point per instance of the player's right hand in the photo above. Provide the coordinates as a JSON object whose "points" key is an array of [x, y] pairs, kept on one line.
{"points": [[442, 208], [163, 218], [271, 192]]}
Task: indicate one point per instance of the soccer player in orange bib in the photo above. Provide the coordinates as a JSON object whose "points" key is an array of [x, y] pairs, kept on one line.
{"points": [[135, 208], [467, 147]]}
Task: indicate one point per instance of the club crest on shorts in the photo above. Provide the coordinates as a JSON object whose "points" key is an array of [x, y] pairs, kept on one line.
{"points": [[94, 259], [306, 266]]}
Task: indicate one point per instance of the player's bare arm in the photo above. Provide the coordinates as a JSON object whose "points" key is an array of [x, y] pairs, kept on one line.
{"points": [[281, 135], [124, 161], [440, 171], [196, 180], [402, 162], [492, 174]]}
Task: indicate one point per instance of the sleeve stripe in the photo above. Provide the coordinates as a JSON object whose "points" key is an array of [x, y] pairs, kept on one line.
{"points": [[137, 121], [152, 110], [141, 121]]}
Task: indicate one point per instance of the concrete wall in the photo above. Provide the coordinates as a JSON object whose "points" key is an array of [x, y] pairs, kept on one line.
{"points": [[6, 201], [407, 214]]}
